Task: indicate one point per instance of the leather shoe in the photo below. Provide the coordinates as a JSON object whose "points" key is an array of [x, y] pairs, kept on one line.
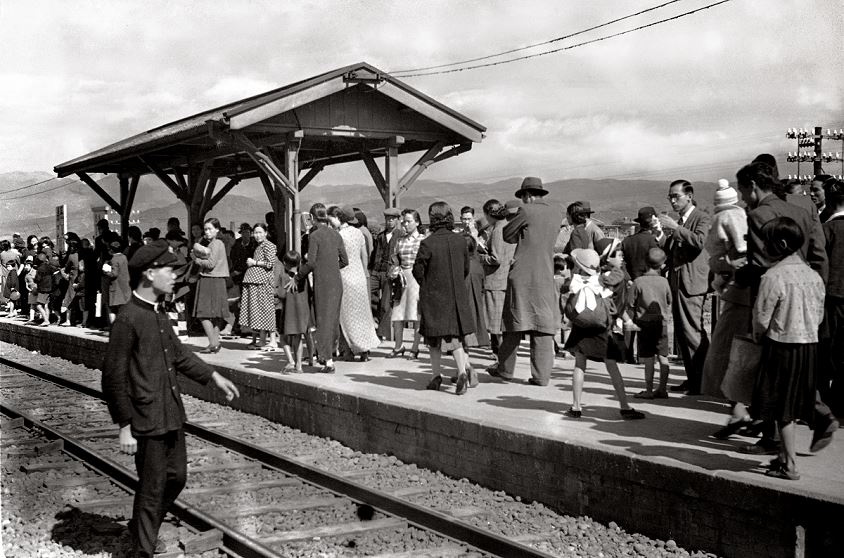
{"points": [[327, 369], [535, 382], [684, 386], [495, 373], [435, 384], [762, 447], [822, 434], [462, 384], [210, 350]]}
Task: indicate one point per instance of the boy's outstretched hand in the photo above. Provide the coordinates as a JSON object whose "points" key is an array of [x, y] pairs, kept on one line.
{"points": [[226, 386]]}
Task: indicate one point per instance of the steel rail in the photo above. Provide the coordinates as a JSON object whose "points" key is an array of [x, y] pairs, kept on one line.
{"points": [[426, 518], [234, 542]]}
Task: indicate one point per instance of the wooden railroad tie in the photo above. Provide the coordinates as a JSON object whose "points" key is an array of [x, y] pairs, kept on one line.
{"points": [[8, 424], [39, 467], [75, 482], [45, 448], [292, 505], [445, 551], [241, 486], [338, 530], [225, 467], [203, 542]]}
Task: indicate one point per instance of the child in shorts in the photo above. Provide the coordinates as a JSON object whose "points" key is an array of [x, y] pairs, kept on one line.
{"points": [[650, 304]]}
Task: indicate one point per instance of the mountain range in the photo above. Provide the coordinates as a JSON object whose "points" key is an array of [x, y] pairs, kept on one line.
{"points": [[32, 210]]}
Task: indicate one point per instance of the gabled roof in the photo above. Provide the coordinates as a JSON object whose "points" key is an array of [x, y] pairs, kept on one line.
{"points": [[241, 114]]}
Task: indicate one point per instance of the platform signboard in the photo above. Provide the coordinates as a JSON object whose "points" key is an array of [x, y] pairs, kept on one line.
{"points": [[61, 226]]}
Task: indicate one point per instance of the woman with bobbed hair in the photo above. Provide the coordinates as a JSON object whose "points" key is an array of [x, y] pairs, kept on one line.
{"points": [[326, 257], [403, 258], [211, 303], [441, 267], [356, 323], [257, 303]]}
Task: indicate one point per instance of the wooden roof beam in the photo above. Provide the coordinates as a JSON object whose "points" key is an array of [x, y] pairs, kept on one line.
{"points": [[180, 190], [83, 176]]}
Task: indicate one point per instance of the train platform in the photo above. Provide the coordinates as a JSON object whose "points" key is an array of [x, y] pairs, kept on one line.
{"points": [[664, 476]]}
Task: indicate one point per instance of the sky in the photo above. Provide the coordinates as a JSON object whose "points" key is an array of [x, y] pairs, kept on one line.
{"points": [[692, 98]]}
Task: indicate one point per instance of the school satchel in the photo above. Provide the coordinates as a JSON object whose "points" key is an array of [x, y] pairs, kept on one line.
{"points": [[594, 318], [742, 369]]}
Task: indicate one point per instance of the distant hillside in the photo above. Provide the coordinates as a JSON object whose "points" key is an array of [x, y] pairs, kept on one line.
{"points": [[26, 211]]}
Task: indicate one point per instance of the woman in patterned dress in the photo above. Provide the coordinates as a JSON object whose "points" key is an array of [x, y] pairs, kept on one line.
{"points": [[356, 321], [257, 303], [403, 259]]}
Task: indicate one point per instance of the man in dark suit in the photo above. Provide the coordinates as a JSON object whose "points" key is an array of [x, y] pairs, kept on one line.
{"points": [[379, 266], [688, 275], [636, 246]]}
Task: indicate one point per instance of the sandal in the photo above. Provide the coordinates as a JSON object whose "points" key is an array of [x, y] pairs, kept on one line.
{"points": [[571, 413]]}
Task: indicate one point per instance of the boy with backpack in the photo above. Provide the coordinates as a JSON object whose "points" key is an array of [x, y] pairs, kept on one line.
{"points": [[650, 304]]}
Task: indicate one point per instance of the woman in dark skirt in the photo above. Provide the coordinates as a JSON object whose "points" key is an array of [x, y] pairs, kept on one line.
{"points": [[211, 303], [446, 318], [786, 318], [604, 344]]}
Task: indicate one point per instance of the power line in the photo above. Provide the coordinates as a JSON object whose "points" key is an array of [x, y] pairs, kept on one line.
{"points": [[29, 186], [62, 185], [528, 56], [511, 51]]}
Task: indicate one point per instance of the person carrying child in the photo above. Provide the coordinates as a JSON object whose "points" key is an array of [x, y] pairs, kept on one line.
{"points": [[786, 317], [595, 306], [650, 304]]}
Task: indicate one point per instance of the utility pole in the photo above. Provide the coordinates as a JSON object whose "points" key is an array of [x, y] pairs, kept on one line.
{"points": [[810, 149]]}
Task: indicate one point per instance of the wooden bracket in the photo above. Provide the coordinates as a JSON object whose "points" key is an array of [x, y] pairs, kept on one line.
{"points": [[180, 190], [419, 167], [83, 176], [308, 176], [375, 173]]}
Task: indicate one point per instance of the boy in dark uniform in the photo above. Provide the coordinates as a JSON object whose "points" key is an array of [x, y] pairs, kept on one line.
{"points": [[140, 386]]}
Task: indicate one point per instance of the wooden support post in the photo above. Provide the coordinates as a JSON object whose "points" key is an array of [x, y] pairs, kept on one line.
{"points": [[391, 171], [99, 191], [198, 177], [128, 189], [291, 163]]}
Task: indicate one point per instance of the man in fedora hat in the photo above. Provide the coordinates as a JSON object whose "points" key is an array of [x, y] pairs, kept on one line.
{"points": [[531, 305], [636, 246], [585, 232]]}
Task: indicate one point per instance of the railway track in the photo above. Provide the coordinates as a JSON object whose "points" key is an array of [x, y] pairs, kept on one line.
{"points": [[256, 501]]}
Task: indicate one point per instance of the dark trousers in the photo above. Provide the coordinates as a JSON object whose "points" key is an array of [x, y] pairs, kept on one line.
{"points": [[379, 296], [161, 462], [690, 335], [541, 354]]}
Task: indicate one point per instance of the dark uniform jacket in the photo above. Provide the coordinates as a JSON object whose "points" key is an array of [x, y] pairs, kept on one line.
{"points": [[379, 259], [139, 371], [636, 248], [834, 232], [441, 267]]}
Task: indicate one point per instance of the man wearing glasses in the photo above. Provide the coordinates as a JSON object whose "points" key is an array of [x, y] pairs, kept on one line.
{"points": [[688, 275]]}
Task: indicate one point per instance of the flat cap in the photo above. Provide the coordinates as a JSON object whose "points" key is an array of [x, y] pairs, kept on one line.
{"points": [[392, 212], [155, 254]]}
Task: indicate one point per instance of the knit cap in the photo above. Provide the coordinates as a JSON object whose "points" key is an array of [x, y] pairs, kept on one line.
{"points": [[725, 195]]}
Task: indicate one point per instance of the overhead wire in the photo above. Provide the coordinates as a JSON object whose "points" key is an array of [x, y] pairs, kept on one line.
{"points": [[29, 186], [569, 47], [543, 43], [62, 185]]}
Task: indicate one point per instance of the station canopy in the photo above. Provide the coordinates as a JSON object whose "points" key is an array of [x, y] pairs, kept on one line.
{"points": [[285, 137]]}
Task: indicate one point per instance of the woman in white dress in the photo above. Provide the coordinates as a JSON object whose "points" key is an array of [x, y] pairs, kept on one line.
{"points": [[356, 321]]}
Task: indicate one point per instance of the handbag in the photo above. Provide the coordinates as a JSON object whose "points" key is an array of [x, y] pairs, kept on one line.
{"points": [[742, 369]]}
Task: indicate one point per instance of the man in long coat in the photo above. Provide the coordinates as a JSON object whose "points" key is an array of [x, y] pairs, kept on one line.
{"points": [[531, 305]]}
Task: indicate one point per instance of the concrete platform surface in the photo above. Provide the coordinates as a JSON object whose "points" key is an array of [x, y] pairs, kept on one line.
{"points": [[672, 450]]}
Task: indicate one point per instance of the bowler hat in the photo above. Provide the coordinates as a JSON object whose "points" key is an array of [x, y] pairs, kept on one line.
{"points": [[531, 185], [645, 216], [155, 254]]}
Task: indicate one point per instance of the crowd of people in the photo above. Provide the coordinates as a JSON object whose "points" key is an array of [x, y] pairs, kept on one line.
{"points": [[526, 270]]}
